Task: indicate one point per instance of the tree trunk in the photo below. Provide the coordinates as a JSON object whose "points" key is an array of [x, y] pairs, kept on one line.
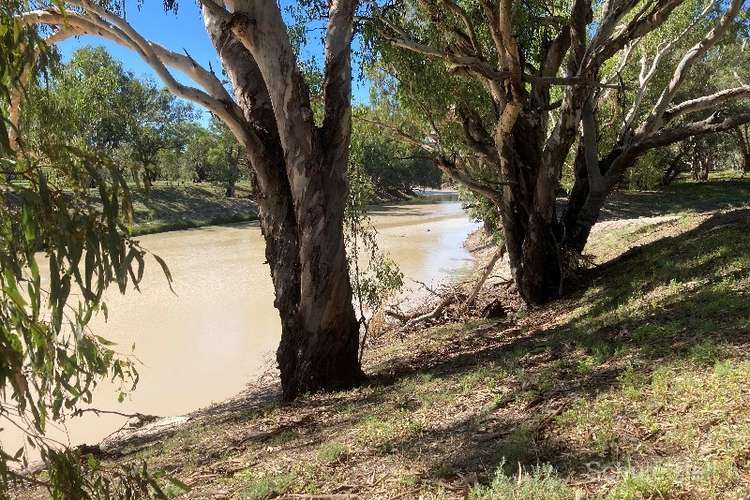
{"points": [[743, 138], [300, 174], [673, 169], [323, 352], [528, 219], [539, 275], [319, 330], [585, 202]]}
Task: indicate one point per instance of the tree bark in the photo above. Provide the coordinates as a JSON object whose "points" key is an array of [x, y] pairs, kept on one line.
{"points": [[320, 333], [300, 171], [528, 216], [299, 167], [673, 169], [743, 139]]}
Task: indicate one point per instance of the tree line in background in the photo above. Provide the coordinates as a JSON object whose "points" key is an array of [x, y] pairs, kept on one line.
{"points": [[153, 136]]}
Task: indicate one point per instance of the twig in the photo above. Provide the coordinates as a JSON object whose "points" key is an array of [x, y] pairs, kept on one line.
{"points": [[97, 411], [433, 292]]}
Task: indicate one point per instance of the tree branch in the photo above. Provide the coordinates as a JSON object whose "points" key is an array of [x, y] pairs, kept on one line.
{"points": [[706, 102], [655, 119], [710, 125], [337, 85], [96, 21]]}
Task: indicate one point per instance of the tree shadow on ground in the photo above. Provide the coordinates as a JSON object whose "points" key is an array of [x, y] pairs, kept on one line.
{"points": [[699, 311], [678, 197], [455, 402]]}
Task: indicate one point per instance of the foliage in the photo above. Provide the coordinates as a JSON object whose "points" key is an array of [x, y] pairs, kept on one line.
{"points": [[213, 154], [381, 278], [145, 129], [100, 106], [429, 92], [49, 361], [394, 168]]}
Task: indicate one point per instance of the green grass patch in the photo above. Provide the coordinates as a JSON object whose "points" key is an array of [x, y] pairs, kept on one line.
{"points": [[331, 453], [265, 485], [540, 483]]}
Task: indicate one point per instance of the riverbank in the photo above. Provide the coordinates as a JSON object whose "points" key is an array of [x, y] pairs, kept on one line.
{"points": [[167, 207], [637, 386], [172, 207]]}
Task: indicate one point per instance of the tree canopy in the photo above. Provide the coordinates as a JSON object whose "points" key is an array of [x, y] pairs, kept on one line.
{"points": [[507, 97]]}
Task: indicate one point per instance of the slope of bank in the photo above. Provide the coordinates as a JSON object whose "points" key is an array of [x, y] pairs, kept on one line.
{"points": [[171, 207], [638, 386], [167, 207]]}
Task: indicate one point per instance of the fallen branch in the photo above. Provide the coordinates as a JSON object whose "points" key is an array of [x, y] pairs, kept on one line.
{"points": [[98, 412], [430, 315], [485, 274], [397, 315]]}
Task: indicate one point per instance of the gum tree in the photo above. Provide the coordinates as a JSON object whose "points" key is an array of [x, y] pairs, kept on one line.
{"points": [[509, 92], [299, 164]]}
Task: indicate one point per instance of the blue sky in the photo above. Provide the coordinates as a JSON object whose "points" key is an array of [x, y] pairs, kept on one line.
{"points": [[179, 32]]}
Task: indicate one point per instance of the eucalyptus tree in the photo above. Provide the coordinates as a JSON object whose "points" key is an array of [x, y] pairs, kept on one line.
{"points": [[88, 100], [224, 158], [299, 163], [506, 93], [155, 125]]}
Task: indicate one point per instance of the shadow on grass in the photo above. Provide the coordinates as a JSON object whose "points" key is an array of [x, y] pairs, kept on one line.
{"points": [[685, 196], [459, 400], [682, 298]]}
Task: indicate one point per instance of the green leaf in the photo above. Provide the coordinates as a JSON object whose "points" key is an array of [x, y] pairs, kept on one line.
{"points": [[166, 270]]}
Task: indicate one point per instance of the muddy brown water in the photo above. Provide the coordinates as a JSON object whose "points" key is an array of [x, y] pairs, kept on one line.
{"points": [[219, 330]]}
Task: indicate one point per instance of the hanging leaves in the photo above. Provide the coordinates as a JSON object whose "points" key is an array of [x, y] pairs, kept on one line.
{"points": [[64, 215]]}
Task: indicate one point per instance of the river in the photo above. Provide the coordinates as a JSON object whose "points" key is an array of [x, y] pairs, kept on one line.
{"points": [[219, 329]]}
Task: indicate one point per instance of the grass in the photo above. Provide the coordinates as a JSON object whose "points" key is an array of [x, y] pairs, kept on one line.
{"points": [[171, 207], [635, 387], [331, 453], [541, 483], [265, 486]]}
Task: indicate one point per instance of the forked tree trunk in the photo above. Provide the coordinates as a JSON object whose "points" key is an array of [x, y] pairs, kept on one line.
{"points": [[319, 330], [300, 171], [525, 147], [528, 219]]}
